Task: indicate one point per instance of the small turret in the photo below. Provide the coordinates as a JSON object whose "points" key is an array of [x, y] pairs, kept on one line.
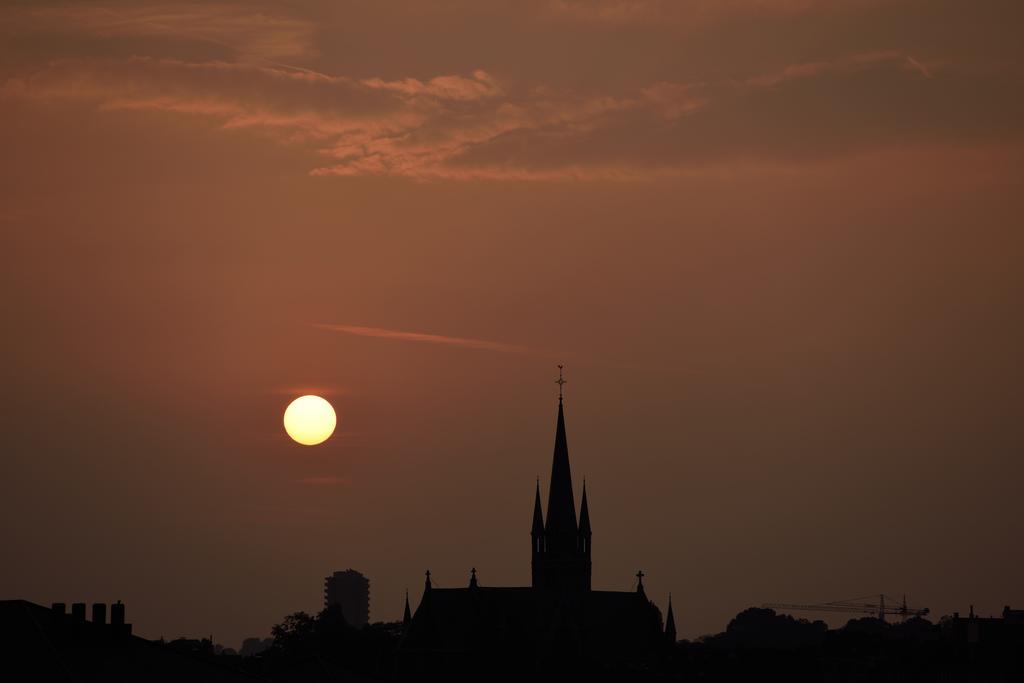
{"points": [[407, 617], [670, 623], [537, 532], [584, 532]]}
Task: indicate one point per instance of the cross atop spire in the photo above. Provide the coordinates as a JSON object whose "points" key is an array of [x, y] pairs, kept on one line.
{"points": [[560, 382], [640, 584]]}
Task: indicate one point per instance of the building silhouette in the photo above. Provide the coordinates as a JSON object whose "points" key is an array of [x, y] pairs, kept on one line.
{"points": [[53, 644], [556, 625], [350, 591]]}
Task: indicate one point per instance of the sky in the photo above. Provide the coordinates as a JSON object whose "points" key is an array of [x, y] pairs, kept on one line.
{"points": [[775, 243]]}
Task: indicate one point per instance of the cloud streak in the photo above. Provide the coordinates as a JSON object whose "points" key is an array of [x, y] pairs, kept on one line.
{"points": [[241, 29], [324, 481], [688, 11], [425, 338]]}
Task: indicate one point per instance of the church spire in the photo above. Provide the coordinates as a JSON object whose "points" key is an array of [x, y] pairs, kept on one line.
{"points": [[561, 507], [538, 515], [584, 513], [670, 623], [538, 529], [561, 548], [583, 541]]}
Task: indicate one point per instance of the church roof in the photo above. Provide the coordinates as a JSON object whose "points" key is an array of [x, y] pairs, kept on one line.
{"points": [[463, 619], [468, 619]]}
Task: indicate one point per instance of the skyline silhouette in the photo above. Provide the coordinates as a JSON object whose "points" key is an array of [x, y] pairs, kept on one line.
{"points": [[775, 244], [557, 628]]}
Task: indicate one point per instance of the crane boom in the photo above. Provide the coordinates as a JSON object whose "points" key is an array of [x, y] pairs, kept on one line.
{"points": [[877, 607]]}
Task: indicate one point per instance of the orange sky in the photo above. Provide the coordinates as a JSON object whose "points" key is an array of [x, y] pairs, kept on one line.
{"points": [[776, 244]]}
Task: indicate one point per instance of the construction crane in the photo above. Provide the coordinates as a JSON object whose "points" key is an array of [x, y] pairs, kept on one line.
{"points": [[879, 607]]}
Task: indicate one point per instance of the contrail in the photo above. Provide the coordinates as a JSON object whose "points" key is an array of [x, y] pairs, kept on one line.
{"points": [[324, 481], [462, 342], [919, 66]]}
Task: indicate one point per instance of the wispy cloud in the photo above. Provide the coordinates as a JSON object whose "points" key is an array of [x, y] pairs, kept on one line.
{"points": [[478, 125], [689, 11], [240, 28], [921, 68], [470, 127], [426, 338], [844, 65]]}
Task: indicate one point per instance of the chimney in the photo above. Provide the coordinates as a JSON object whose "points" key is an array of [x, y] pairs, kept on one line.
{"points": [[78, 611], [99, 613], [121, 629]]}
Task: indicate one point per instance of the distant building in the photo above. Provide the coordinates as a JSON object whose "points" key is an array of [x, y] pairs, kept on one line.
{"points": [[40, 644], [1013, 616], [974, 629], [350, 590], [253, 646]]}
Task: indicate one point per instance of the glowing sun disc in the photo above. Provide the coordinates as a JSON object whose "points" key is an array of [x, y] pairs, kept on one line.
{"points": [[310, 420]]}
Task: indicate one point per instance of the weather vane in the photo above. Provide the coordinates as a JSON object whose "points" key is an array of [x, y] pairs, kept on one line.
{"points": [[560, 382]]}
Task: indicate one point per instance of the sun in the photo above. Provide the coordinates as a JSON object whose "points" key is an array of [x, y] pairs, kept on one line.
{"points": [[310, 420]]}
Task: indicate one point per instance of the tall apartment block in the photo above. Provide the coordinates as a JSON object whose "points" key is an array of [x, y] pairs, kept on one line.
{"points": [[351, 591]]}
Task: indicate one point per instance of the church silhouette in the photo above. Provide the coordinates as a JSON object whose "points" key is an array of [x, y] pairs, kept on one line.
{"points": [[558, 625]]}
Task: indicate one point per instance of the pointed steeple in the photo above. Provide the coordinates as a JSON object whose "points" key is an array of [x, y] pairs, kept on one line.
{"points": [[561, 506], [407, 617], [583, 540], [426, 583], [538, 514], [670, 623], [584, 513], [561, 548]]}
